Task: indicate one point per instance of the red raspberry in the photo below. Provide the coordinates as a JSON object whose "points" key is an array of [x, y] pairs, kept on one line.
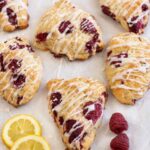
{"points": [[56, 99], [2, 4], [92, 114], [136, 27], [41, 37], [120, 142], [14, 65], [66, 27], [12, 17], [118, 123], [18, 80], [144, 7]]}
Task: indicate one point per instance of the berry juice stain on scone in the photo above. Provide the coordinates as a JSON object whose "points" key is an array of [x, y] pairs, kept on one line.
{"points": [[128, 67], [20, 71], [77, 107], [132, 15], [65, 30], [13, 15]]}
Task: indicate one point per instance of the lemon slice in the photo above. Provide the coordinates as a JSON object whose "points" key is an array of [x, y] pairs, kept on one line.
{"points": [[19, 126], [31, 142]]}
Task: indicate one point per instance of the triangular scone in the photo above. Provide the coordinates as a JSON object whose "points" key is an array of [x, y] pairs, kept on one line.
{"points": [[133, 15], [77, 107], [20, 71], [67, 30], [13, 14], [128, 67]]}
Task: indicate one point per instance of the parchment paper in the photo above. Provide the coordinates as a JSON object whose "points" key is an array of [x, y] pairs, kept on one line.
{"points": [[138, 116]]}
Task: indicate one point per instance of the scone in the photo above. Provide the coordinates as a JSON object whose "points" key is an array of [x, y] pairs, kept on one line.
{"points": [[131, 14], [13, 15], [20, 71], [77, 108], [128, 67], [67, 30]]}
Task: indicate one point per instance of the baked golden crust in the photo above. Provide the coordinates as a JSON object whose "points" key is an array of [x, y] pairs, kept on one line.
{"points": [[132, 14], [67, 30], [20, 71], [77, 107], [13, 15], [128, 67]]}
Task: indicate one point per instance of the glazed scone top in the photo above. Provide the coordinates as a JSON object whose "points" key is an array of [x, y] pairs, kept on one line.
{"points": [[20, 71], [13, 14], [79, 102], [126, 8], [67, 30], [128, 67], [132, 14]]}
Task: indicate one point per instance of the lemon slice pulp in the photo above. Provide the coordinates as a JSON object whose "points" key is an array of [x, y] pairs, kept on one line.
{"points": [[31, 142], [19, 126]]}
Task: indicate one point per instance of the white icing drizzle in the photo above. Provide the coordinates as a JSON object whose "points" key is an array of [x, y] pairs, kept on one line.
{"points": [[138, 55], [62, 44], [121, 9], [141, 15], [75, 94], [19, 54]]}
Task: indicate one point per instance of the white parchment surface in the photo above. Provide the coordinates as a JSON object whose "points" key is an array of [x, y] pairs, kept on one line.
{"points": [[138, 116]]}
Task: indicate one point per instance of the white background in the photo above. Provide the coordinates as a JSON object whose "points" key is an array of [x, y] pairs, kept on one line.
{"points": [[138, 116]]}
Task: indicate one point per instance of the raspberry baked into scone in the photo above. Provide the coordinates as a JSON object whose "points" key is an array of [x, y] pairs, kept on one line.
{"points": [[67, 30], [13, 15], [128, 67], [77, 108], [131, 14], [20, 71]]}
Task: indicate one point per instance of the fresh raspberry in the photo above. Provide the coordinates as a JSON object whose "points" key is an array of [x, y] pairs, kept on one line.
{"points": [[120, 142], [118, 123]]}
